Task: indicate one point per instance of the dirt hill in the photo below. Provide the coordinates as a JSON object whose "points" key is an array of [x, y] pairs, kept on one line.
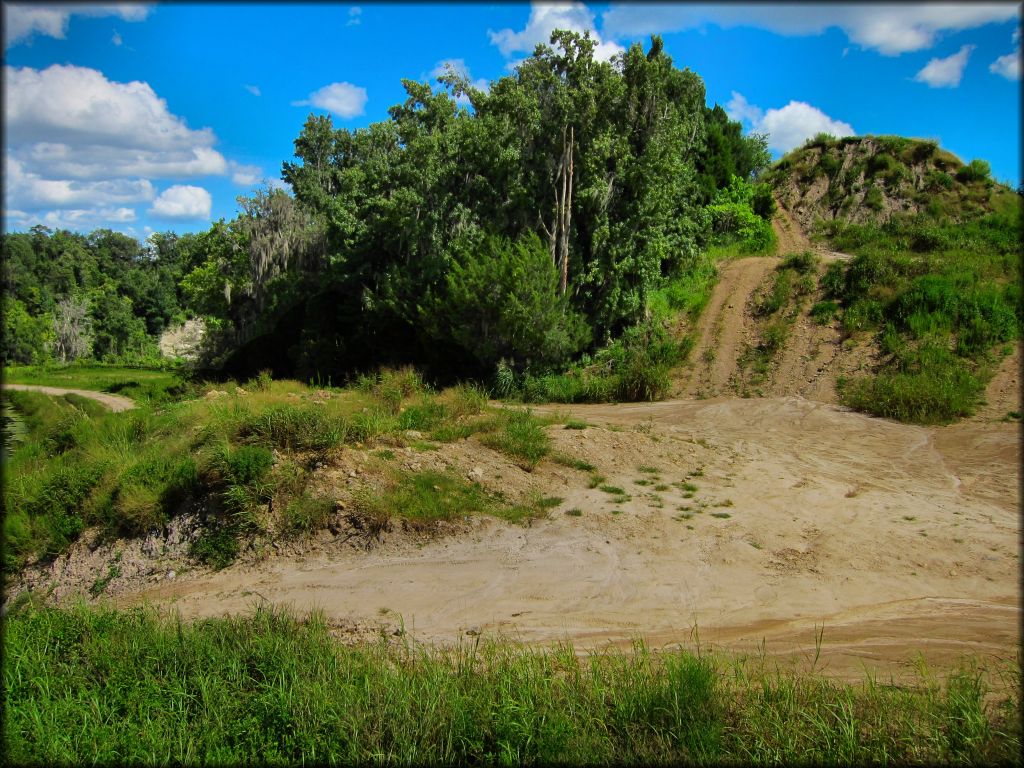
{"points": [[870, 178]]}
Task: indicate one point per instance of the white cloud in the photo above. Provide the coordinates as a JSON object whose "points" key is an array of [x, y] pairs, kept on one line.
{"points": [[787, 127], [343, 99], [947, 72], [71, 219], [544, 19], [22, 21], [78, 123], [245, 175], [740, 110], [354, 15], [890, 29], [30, 190], [182, 202], [116, 39], [1008, 66], [253, 89]]}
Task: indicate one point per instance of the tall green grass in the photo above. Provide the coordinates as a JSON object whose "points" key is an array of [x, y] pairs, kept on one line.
{"points": [[94, 685]]}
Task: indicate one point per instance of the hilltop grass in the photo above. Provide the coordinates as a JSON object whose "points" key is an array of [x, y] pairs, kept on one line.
{"points": [[95, 685], [248, 459]]}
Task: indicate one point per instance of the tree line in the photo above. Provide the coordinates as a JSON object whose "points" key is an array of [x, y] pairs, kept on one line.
{"points": [[523, 225]]}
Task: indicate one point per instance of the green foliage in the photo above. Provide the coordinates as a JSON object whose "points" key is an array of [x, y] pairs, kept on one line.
{"points": [[824, 312], [734, 220], [941, 296], [501, 301], [131, 290]]}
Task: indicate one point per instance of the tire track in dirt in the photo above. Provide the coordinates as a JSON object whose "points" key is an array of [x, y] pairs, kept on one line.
{"points": [[723, 327], [116, 403]]}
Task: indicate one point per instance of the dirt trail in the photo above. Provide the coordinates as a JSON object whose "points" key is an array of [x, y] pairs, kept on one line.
{"points": [[791, 237], [116, 403], [724, 326], [896, 538]]}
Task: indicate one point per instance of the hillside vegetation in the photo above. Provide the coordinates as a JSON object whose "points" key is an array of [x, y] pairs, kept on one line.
{"points": [[871, 179], [935, 278]]}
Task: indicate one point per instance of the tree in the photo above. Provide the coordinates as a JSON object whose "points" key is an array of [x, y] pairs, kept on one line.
{"points": [[71, 329]]}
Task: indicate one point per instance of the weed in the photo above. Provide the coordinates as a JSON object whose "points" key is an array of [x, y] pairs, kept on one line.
{"points": [[595, 480], [574, 512], [572, 462], [613, 490], [722, 515], [576, 424]]}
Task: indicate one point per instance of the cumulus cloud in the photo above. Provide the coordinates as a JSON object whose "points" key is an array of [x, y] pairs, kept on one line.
{"points": [[1007, 66], [30, 190], [182, 202], [253, 89], [71, 219], [82, 149], [789, 126], [947, 72], [343, 99], [889, 29], [116, 39], [354, 16], [22, 21], [78, 123], [544, 19]]}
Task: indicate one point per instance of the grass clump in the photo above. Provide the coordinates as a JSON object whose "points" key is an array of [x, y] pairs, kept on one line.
{"points": [[519, 435]]}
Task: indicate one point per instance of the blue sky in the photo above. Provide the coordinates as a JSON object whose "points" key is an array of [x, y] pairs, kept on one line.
{"points": [[155, 117]]}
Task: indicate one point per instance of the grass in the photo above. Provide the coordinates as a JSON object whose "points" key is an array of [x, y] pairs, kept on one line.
{"points": [[941, 297], [144, 385], [94, 685], [244, 460], [519, 435]]}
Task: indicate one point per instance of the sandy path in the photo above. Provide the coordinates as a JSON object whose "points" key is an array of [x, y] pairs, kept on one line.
{"points": [[116, 403], [723, 327], [896, 538]]}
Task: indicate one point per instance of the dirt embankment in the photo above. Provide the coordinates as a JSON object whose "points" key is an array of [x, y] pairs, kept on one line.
{"points": [[116, 403]]}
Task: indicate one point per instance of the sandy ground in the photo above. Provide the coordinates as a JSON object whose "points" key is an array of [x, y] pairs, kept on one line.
{"points": [[891, 539], [115, 403]]}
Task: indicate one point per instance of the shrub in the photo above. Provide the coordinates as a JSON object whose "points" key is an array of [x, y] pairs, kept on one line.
{"points": [[974, 171], [307, 512]]}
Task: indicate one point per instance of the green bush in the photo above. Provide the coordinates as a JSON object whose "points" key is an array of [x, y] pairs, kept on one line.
{"points": [[974, 171]]}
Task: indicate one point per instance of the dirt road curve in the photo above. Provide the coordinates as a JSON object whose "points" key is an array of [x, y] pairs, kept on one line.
{"points": [[895, 538], [116, 403]]}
